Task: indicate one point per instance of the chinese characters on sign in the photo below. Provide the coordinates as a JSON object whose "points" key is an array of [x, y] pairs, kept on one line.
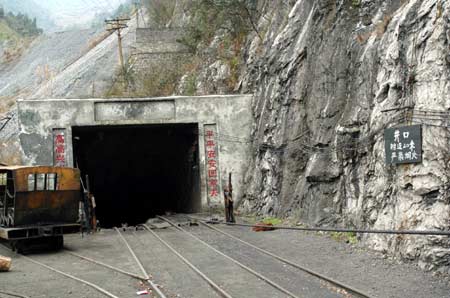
{"points": [[211, 157], [403, 144], [59, 148]]}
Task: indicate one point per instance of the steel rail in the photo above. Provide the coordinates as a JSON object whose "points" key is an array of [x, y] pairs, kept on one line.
{"points": [[94, 286], [215, 287], [260, 276], [12, 294], [147, 277], [334, 282], [362, 231], [107, 266]]}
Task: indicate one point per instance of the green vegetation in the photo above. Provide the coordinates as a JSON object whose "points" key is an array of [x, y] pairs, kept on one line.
{"points": [[190, 85], [347, 237], [160, 11], [356, 3], [16, 33], [236, 17], [6, 33], [21, 24], [162, 80], [272, 221], [229, 21]]}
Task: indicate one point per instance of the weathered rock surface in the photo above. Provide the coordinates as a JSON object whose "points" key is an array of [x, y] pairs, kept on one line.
{"points": [[322, 77], [324, 73], [47, 56]]}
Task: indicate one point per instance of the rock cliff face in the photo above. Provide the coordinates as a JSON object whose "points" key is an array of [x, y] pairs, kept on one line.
{"points": [[328, 77]]}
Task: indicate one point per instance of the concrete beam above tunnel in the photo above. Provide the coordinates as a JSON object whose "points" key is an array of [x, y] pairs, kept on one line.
{"points": [[47, 131]]}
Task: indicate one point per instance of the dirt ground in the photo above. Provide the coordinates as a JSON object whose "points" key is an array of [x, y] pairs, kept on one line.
{"points": [[350, 264]]}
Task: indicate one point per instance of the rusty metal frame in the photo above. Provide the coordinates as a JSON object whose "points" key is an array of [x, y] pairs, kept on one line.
{"points": [[44, 211], [38, 231]]}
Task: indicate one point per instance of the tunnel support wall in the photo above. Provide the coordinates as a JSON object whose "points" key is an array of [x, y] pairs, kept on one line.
{"points": [[229, 115]]}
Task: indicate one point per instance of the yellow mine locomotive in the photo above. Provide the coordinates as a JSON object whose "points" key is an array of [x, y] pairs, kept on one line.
{"points": [[38, 203]]}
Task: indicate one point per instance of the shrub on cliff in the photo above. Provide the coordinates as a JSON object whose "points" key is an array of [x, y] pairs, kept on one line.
{"points": [[161, 12], [237, 17]]}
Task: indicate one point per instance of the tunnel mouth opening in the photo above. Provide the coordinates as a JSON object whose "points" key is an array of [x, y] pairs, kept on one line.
{"points": [[136, 172]]}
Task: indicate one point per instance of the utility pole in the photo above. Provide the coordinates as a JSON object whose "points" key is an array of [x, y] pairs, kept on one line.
{"points": [[117, 25], [136, 10]]}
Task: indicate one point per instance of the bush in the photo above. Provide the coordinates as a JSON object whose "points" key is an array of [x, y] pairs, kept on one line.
{"points": [[191, 85], [158, 80], [356, 3], [348, 237], [272, 221], [160, 11], [236, 17]]}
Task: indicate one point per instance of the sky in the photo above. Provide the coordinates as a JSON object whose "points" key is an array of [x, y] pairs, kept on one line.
{"points": [[77, 12]]}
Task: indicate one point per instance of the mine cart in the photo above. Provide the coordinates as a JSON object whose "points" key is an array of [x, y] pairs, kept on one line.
{"points": [[38, 202]]}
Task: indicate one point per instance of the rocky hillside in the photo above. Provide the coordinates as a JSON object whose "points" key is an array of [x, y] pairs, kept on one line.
{"points": [[328, 77], [69, 64]]}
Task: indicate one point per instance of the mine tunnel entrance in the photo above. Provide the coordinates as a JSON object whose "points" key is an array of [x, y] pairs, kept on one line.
{"points": [[137, 172]]}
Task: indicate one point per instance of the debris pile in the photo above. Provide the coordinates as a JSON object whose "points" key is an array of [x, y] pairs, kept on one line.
{"points": [[261, 227]]}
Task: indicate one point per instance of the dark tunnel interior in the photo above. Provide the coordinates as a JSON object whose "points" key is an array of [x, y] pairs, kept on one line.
{"points": [[137, 172]]}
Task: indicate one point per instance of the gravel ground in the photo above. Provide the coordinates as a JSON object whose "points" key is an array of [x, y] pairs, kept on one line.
{"points": [[233, 279], [294, 280], [364, 270], [177, 278], [353, 265], [31, 280]]}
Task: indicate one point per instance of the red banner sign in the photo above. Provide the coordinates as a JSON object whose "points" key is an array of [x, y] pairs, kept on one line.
{"points": [[212, 164], [59, 148]]}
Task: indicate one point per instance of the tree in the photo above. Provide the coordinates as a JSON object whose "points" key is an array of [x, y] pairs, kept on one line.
{"points": [[2, 12], [22, 24]]}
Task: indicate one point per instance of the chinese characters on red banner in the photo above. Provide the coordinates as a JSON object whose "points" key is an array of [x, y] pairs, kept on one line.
{"points": [[59, 145], [212, 167]]}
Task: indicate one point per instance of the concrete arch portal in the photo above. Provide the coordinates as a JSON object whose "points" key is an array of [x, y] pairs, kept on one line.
{"points": [[143, 156]]}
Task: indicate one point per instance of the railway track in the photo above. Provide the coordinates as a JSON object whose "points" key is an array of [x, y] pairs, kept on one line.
{"points": [[141, 267], [228, 272], [335, 283], [65, 274], [70, 276], [182, 276]]}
